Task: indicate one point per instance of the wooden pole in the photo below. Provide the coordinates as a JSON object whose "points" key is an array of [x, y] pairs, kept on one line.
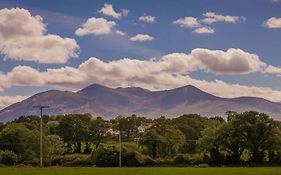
{"points": [[120, 150], [41, 133]]}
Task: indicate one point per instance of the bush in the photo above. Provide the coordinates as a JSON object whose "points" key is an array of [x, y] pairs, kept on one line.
{"points": [[147, 161], [180, 159], [105, 157], [72, 160], [28, 155], [34, 162], [188, 159], [9, 158], [130, 159]]}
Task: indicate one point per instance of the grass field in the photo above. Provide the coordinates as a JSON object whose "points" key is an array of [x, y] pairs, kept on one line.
{"points": [[141, 171]]}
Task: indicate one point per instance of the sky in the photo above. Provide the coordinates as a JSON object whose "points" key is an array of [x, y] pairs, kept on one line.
{"points": [[227, 48]]}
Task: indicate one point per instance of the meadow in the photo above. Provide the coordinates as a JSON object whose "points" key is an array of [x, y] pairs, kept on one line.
{"points": [[142, 171]]}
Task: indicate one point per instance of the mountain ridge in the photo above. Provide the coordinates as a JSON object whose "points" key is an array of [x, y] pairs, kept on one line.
{"points": [[110, 102]]}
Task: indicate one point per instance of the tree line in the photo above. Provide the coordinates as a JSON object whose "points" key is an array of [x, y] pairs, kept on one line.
{"points": [[241, 139]]}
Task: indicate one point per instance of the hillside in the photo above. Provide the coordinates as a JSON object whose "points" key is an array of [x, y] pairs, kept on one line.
{"points": [[110, 102]]}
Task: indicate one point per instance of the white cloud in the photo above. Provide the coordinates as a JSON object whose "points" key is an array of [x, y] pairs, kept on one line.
{"points": [[147, 18], [273, 70], [273, 22], [204, 30], [125, 12], [8, 100], [211, 17], [232, 61], [108, 10], [118, 32], [169, 71], [22, 37], [96, 26], [141, 38], [188, 22]]}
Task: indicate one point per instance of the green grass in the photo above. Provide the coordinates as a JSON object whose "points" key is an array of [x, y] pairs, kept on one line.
{"points": [[141, 171]]}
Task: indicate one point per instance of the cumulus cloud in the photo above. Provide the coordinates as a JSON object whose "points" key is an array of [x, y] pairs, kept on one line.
{"points": [[188, 22], [273, 70], [273, 22], [96, 26], [211, 17], [147, 18], [23, 37], [8, 100], [108, 10], [232, 61], [125, 12], [119, 32], [204, 30], [141, 38], [167, 72]]}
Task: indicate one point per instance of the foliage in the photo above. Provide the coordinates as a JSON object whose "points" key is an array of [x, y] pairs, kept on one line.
{"points": [[19, 139], [247, 138], [53, 146], [250, 131], [8, 158], [105, 157], [127, 125], [164, 139], [191, 125], [73, 129]]}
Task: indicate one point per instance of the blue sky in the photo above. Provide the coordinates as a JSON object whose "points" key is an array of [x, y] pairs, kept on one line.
{"points": [[243, 25]]}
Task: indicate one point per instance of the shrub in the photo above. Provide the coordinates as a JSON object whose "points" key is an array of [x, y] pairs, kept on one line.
{"points": [[105, 157], [147, 161], [180, 159], [130, 159], [34, 162], [9, 158], [72, 160]]}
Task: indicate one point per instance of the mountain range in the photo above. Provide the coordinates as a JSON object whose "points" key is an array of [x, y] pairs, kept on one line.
{"points": [[110, 102]]}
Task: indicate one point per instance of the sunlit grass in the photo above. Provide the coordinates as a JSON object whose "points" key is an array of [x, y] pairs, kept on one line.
{"points": [[141, 171]]}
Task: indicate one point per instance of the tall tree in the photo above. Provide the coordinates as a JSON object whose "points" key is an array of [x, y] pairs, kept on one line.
{"points": [[73, 129], [164, 138], [97, 132], [19, 139]]}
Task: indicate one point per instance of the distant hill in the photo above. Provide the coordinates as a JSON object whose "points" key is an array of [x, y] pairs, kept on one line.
{"points": [[110, 102]]}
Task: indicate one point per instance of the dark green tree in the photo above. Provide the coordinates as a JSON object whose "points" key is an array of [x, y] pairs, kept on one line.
{"points": [[18, 138], [74, 130]]}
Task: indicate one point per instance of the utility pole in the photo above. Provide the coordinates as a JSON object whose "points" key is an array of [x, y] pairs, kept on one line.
{"points": [[120, 150], [41, 132]]}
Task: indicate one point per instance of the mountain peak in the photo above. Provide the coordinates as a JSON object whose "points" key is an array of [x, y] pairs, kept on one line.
{"points": [[111, 102], [95, 85]]}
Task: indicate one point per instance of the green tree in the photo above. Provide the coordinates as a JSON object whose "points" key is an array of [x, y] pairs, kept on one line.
{"points": [[128, 125], [97, 131], [17, 138], [8, 158], [73, 129], [164, 138], [54, 145], [191, 126], [251, 131], [209, 143], [261, 133]]}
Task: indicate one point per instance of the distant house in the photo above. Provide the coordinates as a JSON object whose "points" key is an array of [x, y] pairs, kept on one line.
{"points": [[112, 131], [144, 126]]}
